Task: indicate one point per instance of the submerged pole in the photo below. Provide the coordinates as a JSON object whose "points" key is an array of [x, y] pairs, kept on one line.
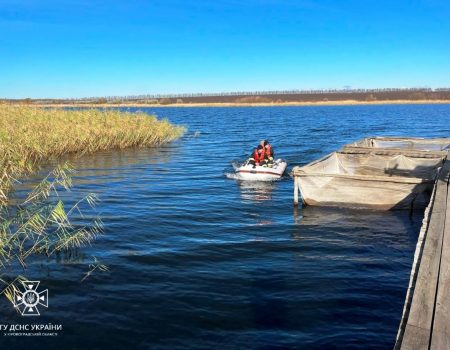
{"points": [[295, 191]]}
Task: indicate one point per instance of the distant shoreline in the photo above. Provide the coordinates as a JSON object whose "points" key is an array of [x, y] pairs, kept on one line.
{"points": [[235, 104]]}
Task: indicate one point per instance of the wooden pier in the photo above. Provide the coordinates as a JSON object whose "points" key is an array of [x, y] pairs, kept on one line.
{"points": [[426, 318]]}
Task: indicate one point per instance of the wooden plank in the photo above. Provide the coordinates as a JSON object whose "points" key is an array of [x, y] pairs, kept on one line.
{"points": [[414, 269], [424, 296], [440, 338], [415, 338], [422, 305]]}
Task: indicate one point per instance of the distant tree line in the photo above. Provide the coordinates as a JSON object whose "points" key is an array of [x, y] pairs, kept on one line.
{"points": [[262, 93], [257, 96]]}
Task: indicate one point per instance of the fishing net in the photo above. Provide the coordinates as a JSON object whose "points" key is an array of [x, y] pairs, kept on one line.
{"points": [[368, 180], [438, 144], [374, 165]]}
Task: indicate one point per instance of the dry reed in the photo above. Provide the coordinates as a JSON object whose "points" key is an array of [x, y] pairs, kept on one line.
{"points": [[31, 135]]}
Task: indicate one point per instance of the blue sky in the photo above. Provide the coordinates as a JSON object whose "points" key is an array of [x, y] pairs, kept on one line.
{"points": [[75, 48]]}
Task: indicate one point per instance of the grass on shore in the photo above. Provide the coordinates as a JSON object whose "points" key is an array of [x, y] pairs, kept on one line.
{"points": [[31, 135]]}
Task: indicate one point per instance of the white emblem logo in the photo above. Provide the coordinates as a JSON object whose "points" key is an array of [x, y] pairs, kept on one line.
{"points": [[27, 302]]}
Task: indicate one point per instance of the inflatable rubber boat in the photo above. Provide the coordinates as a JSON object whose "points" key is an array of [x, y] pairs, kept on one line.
{"points": [[260, 173]]}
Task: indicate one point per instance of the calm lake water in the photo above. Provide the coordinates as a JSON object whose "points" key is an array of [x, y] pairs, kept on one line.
{"points": [[201, 261]]}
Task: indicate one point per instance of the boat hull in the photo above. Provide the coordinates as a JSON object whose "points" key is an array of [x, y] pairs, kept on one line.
{"points": [[261, 173]]}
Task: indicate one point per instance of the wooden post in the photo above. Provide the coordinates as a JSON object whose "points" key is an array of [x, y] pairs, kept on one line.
{"points": [[295, 191]]}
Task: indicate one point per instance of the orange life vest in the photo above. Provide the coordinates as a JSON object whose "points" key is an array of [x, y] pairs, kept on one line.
{"points": [[268, 150], [261, 154], [256, 155]]}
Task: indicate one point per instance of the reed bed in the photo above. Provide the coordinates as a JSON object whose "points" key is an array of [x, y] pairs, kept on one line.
{"points": [[41, 223], [32, 135]]}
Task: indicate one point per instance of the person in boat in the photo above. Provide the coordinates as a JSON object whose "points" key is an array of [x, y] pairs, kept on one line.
{"points": [[257, 157], [268, 153]]}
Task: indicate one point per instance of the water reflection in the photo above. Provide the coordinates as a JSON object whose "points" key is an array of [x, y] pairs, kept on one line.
{"points": [[126, 157], [121, 164], [349, 222], [108, 167], [256, 191], [326, 216], [297, 215]]}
